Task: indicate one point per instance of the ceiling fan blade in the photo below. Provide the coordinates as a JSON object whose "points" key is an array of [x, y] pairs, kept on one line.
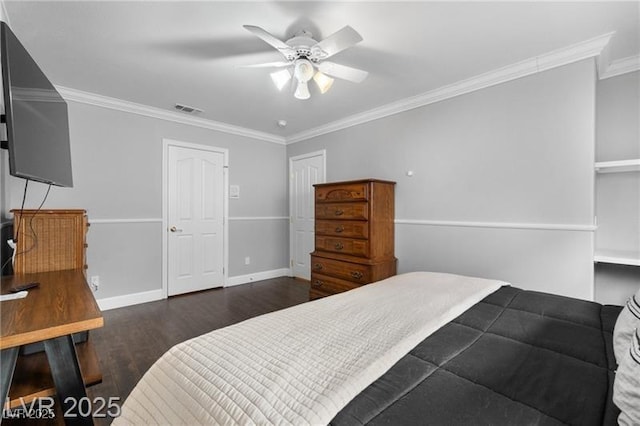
{"points": [[280, 45], [342, 71], [268, 65], [337, 42]]}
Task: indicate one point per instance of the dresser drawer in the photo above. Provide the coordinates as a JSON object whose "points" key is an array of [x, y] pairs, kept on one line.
{"points": [[357, 191], [350, 229], [353, 211], [330, 285], [339, 269], [343, 245]]}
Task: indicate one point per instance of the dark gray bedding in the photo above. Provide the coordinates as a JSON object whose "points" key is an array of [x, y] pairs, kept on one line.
{"points": [[516, 358]]}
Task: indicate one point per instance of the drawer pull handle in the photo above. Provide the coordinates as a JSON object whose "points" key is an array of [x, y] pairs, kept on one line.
{"points": [[340, 229], [356, 274], [339, 246], [318, 283], [318, 266], [339, 212]]}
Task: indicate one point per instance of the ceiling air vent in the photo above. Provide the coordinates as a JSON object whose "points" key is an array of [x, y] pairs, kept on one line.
{"points": [[188, 109]]}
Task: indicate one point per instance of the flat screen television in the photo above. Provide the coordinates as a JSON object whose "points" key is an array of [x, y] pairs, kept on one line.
{"points": [[36, 118]]}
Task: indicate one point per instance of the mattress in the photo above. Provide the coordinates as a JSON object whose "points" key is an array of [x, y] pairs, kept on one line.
{"points": [[515, 358]]}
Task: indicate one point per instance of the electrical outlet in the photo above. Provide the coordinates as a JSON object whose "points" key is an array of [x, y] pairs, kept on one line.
{"points": [[95, 282], [247, 260]]}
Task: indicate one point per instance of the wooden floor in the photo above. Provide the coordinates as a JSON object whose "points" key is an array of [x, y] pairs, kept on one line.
{"points": [[133, 338]]}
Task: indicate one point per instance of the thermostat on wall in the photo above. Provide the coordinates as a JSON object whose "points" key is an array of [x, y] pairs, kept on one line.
{"points": [[234, 191]]}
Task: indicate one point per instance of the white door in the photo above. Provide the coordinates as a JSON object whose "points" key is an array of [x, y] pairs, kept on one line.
{"points": [[195, 219], [304, 172]]}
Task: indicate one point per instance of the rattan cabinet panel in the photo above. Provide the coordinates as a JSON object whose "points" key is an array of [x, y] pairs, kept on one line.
{"points": [[49, 240]]}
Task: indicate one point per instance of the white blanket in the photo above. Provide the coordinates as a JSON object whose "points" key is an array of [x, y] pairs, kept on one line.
{"points": [[303, 364]]}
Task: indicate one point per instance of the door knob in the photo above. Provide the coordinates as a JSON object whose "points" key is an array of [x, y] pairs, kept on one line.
{"points": [[174, 229]]}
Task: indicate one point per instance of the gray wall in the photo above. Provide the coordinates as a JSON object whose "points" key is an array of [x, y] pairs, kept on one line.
{"points": [[117, 161], [618, 194], [490, 169], [521, 152]]}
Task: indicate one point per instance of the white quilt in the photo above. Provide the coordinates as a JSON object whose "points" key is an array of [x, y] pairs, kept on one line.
{"points": [[303, 364]]}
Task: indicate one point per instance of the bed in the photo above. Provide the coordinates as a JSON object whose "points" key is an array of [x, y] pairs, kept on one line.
{"points": [[418, 348]]}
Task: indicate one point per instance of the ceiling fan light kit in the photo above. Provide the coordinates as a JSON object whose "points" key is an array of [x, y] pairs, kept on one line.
{"points": [[302, 91], [323, 81], [280, 78], [305, 59]]}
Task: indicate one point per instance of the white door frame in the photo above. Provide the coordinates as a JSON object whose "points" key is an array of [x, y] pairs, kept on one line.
{"points": [[166, 143], [322, 153]]}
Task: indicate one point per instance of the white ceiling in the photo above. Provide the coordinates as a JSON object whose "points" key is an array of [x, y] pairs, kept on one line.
{"points": [[162, 53]]}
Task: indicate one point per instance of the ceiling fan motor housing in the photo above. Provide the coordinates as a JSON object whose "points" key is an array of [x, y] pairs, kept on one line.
{"points": [[304, 47]]}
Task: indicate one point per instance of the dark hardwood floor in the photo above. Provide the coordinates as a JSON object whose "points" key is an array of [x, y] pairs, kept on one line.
{"points": [[133, 338]]}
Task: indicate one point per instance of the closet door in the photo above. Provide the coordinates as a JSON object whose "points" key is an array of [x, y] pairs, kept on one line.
{"points": [[304, 172], [195, 220]]}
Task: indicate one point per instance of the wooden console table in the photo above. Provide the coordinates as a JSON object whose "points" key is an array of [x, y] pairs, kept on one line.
{"points": [[63, 304]]}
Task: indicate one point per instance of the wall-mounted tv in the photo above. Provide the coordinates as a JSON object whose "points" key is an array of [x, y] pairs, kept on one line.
{"points": [[36, 117]]}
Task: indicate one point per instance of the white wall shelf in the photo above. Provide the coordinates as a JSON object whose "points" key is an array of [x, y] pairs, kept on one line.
{"points": [[618, 257], [632, 165]]}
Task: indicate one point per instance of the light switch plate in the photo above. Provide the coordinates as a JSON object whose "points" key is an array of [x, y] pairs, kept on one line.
{"points": [[234, 191]]}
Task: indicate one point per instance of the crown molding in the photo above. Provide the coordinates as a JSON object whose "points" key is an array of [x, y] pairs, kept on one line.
{"points": [[564, 56], [153, 112], [596, 47], [621, 66]]}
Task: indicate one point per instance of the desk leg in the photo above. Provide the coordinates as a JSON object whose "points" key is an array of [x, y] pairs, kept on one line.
{"points": [[65, 370], [8, 358]]}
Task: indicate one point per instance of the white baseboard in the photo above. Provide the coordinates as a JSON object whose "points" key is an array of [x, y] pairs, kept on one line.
{"points": [[258, 276], [153, 295], [129, 299]]}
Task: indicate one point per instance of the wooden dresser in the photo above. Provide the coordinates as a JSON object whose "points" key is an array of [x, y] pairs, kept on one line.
{"points": [[354, 235], [50, 240]]}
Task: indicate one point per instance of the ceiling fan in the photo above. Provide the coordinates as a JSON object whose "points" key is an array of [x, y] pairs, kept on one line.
{"points": [[306, 59]]}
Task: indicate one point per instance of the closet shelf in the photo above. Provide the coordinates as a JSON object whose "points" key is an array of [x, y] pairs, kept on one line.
{"points": [[618, 257], [632, 165]]}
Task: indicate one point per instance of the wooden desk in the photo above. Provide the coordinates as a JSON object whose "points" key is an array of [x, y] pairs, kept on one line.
{"points": [[63, 304]]}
